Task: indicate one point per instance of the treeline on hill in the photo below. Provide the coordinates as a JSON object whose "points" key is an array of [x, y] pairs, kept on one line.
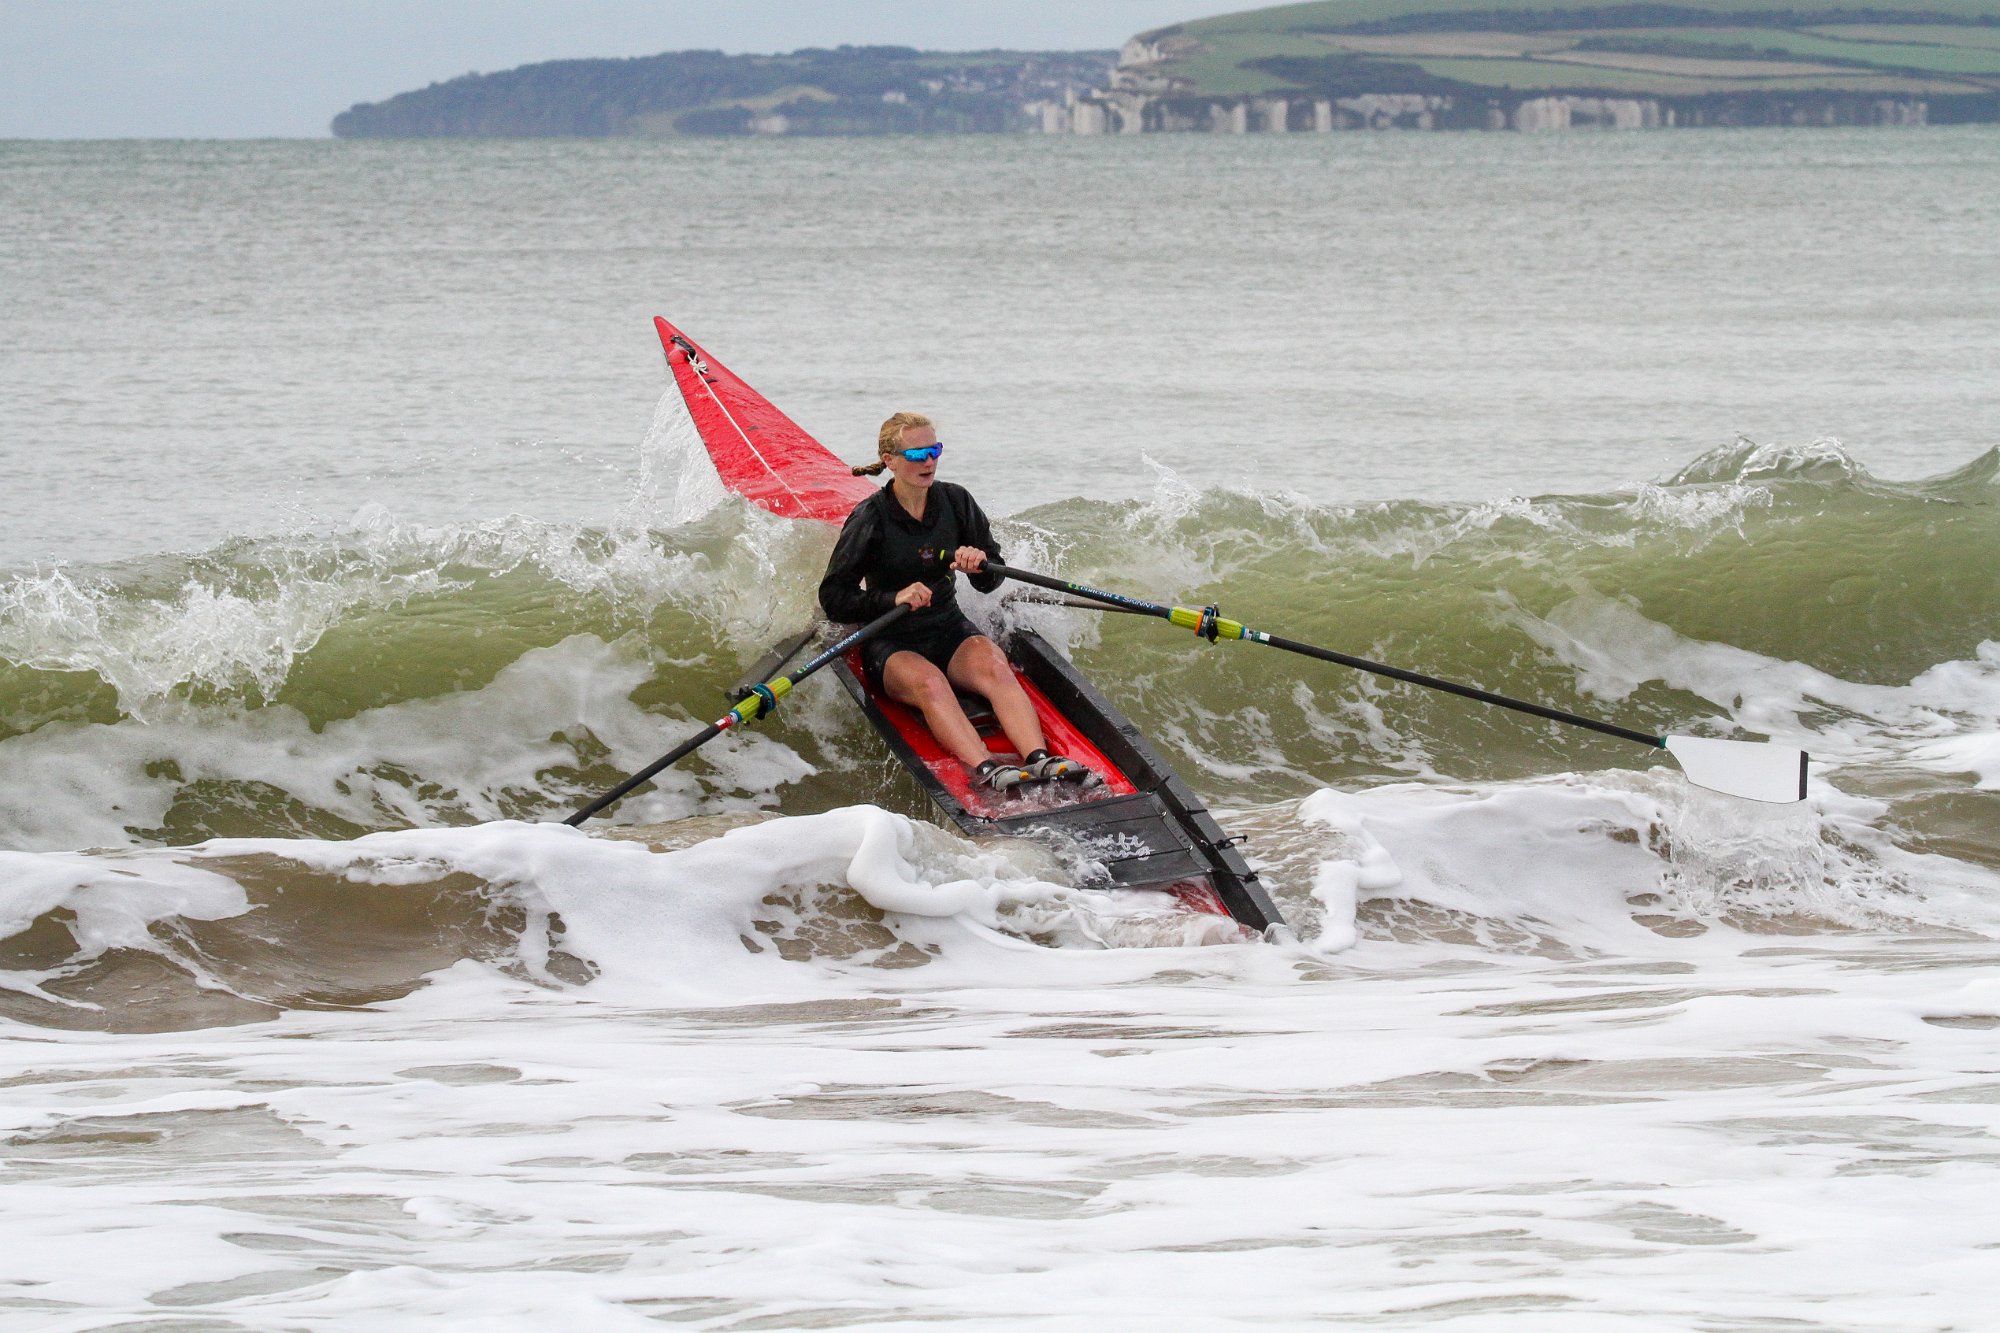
{"points": [[848, 90]]}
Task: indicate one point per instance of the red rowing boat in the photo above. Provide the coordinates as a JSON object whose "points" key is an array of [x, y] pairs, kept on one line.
{"points": [[1140, 828]]}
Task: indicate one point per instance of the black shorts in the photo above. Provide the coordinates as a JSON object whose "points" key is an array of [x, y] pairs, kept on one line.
{"points": [[935, 640]]}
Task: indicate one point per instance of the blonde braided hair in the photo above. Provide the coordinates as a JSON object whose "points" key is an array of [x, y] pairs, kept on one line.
{"points": [[891, 439]]}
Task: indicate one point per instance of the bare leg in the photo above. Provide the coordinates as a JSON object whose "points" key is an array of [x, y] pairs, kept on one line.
{"points": [[910, 679], [980, 665]]}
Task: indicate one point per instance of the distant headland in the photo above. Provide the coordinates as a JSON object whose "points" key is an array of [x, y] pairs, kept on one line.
{"points": [[1320, 66], [849, 90]]}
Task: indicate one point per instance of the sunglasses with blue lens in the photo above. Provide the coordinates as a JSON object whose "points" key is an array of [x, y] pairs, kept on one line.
{"points": [[924, 454]]}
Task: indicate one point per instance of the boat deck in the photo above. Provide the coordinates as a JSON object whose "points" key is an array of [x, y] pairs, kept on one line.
{"points": [[1140, 827]]}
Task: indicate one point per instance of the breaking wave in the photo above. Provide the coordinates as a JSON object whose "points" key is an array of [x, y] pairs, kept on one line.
{"points": [[233, 735]]}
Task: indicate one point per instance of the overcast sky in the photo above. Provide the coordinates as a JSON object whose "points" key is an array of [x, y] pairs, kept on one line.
{"points": [[89, 69]]}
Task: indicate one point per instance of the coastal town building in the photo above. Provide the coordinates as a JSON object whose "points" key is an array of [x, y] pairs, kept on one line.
{"points": [[1143, 96]]}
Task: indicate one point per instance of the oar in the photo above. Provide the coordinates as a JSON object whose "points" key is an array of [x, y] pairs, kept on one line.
{"points": [[1754, 770], [760, 702], [1074, 603], [771, 663]]}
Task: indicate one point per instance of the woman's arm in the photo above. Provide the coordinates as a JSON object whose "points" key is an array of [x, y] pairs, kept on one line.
{"points": [[975, 530], [841, 595]]}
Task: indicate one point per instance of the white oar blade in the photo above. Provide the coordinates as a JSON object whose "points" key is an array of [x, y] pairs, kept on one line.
{"points": [[1754, 770]]}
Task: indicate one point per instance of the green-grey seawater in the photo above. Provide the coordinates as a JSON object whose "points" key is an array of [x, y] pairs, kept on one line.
{"points": [[1761, 592]]}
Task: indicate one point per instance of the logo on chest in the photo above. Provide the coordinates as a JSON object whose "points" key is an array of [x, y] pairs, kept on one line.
{"points": [[928, 554]]}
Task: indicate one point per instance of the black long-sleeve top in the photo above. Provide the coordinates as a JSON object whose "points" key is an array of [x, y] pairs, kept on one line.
{"points": [[882, 550]]}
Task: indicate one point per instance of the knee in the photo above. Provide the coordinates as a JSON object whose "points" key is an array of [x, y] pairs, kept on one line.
{"points": [[933, 690], [988, 666]]}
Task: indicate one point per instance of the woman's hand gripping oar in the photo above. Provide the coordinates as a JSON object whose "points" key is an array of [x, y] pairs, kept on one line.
{"points": [[1754, 770], [758, 704]]}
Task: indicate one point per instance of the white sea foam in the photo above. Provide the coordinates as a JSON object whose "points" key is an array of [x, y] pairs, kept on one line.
{"points": [[237, 621], [1978, 755], [677, 482], [1940, 720], [1589, 860], [232, 634], [1744, 460], [1704, 511], [1340, 881], [476, 755], [1627, 1129], [1580, 862], [1524, 529]]}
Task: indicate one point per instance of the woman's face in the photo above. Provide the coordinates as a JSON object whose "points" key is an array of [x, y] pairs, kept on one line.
{"points": [[915, 474]]}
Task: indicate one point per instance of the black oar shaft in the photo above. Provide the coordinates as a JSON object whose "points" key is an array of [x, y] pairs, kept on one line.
{"points": [[1453, 687], [1139, 605], [1074, 603], [1329, 655], [867, 631], [646, 774], [775, 688]]}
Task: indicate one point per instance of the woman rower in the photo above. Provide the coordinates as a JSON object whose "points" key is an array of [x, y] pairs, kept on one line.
{"points": [[894, 547]]}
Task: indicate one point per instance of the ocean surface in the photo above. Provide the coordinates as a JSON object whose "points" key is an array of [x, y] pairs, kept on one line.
{"points": [[351, 534]]}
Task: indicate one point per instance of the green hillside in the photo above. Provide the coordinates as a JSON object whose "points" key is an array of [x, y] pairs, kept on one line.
{"points": [[1946, 51]]}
